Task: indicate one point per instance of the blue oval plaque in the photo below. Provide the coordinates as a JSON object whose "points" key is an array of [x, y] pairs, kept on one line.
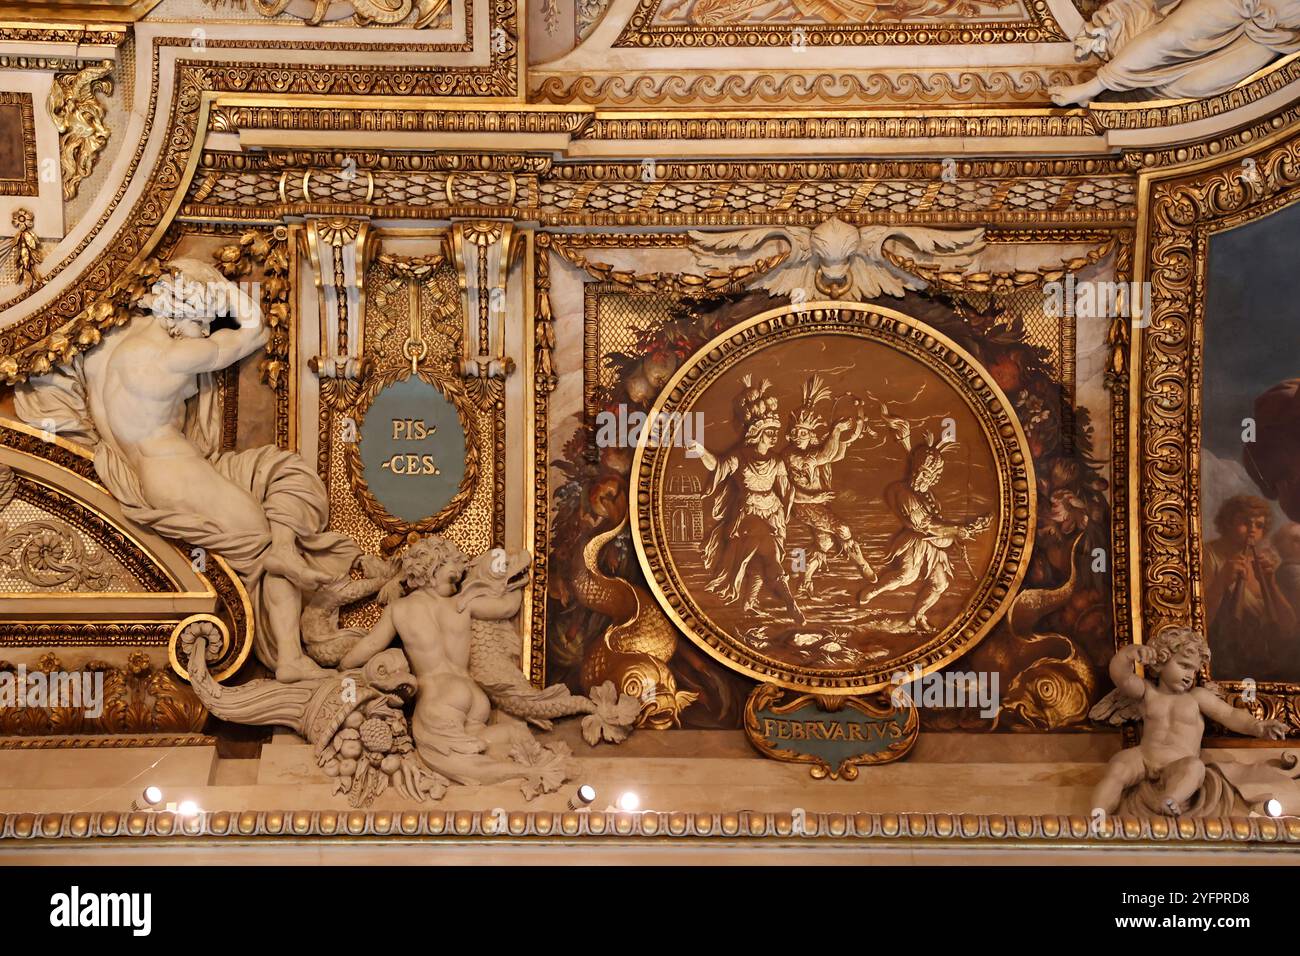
{"points": [[412, 449]]}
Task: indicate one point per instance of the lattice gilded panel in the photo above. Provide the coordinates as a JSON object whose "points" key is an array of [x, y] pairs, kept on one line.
{"points": [[615, 318]]}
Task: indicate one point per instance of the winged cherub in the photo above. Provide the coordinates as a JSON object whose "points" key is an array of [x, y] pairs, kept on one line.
{"points": [[838, 260], [1172, 708]]}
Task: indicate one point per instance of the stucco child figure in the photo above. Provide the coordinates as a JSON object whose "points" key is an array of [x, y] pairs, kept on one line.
{"points": [[1172, 707], [454, 728]]}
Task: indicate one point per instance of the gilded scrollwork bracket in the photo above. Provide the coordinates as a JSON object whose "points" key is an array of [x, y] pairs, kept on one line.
{"points": [[482, 251], [340, 250]]}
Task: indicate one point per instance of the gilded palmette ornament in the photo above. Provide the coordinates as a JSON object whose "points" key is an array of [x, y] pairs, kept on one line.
{"points": [[78, 115]]}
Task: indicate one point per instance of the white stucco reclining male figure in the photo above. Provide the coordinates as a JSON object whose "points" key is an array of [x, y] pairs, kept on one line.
{"points": [[145, 401], [1181, 48]]}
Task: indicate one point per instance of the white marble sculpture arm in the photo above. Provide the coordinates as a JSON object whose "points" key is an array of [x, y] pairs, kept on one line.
{"points": [[219, 350]]}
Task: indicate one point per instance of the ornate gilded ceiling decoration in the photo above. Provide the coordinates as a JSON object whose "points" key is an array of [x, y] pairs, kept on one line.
{"points": [[139, 698], [40, 552], [255, 188], [856, 830], [940, 125], [734, 598], [23, 247], [1186, 211], [1158, 113], [414, 14], [500, 76], [78, 11], [79, 116], [799, 24]]}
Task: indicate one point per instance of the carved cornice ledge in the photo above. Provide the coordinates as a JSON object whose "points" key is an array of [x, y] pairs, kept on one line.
{"points": [[106, 741], [1189, 154], [940, 124], [931, 86], [386, 114], [41, 46], [845, 829], [1156, 114], [80, 34]]}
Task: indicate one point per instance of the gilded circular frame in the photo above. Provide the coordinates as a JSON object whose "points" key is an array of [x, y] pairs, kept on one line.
{"points": [[1013, 523]]}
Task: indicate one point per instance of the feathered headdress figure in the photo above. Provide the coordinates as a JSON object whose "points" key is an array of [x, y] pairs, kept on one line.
{"points": [[758, 410], [814, 393], [921, 454]]}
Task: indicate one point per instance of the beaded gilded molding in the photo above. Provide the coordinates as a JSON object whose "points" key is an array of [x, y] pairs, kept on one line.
{"points": [[843, 829]]}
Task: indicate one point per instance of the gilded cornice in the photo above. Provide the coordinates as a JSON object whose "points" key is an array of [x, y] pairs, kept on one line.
{"points": [[24, 31], [36, 46], [1062, 125], [380, 113], [267, 187], [1237, 140]]}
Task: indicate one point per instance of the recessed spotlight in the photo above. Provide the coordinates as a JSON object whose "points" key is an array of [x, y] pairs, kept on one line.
{"points": [[1273, 807], [583, 797], [188, 808], [629, 802], [150, 797]]}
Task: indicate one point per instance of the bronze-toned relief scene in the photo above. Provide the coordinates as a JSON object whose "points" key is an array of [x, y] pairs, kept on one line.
{"points": [[810, 472], [872, 519], [611, 431]]}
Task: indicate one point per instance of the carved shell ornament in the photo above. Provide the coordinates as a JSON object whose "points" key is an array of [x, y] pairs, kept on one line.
{"points": [[836, 260]]}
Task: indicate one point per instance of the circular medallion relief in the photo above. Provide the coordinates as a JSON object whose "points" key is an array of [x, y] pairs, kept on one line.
{"points": [[829, 496]]}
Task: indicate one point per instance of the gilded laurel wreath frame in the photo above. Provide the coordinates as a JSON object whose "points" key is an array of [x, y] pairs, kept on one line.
{"points": [[453, 390], [1186, 207], [1016, 511]]}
